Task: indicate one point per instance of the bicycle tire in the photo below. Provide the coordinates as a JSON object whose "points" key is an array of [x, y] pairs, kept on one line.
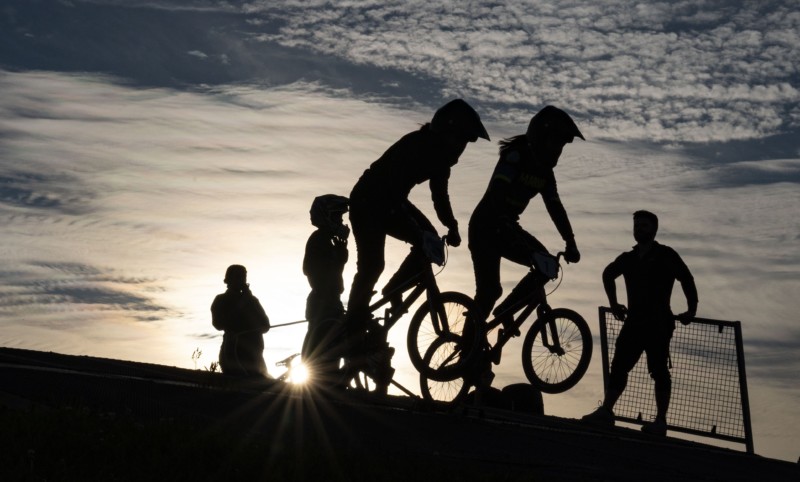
{"points": [[450, 391], [422, 334], [554, 372]]}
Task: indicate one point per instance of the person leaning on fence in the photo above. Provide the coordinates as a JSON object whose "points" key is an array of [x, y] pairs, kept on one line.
{"points": [[649, 271], [323, 263], [242, 319]]}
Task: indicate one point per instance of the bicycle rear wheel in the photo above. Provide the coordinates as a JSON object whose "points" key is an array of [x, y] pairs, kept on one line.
{"points": [[554, 364], [455, 329], [451, 391]]}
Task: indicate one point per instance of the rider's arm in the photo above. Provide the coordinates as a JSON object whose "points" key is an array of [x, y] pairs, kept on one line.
{"points": [[556, 209], [441, 200]]}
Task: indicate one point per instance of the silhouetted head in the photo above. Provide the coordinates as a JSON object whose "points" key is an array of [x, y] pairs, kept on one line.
{"points": [[645, 226], [459, 120], [236, 276], [327, 212], [549, 131]]}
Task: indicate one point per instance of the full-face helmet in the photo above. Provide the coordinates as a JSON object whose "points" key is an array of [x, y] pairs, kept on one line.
{"points": [[554, 124], [326, 213], [459, 118]]}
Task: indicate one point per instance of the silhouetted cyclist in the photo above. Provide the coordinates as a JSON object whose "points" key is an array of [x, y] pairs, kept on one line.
{"points": [[650, 271], [379, 204], [239, 314], [525, 169], [325, 257]]}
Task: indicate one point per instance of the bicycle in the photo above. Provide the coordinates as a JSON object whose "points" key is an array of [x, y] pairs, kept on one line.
{"points": [[556, 350], [288, 363], [440, 314]]}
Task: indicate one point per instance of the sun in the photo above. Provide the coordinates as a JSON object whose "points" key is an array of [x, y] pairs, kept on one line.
{"points": [[299, 374]]}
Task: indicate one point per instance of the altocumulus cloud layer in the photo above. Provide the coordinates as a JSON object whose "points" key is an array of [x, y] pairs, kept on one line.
{"points": [[669, 71], [675, 72]]}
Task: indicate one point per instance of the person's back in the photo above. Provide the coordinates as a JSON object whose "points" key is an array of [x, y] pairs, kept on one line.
{"points": [[241, 317], [417, 157]]}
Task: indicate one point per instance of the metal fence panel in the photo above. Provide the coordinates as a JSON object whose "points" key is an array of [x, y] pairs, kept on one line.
{"points": [[709, 385]]}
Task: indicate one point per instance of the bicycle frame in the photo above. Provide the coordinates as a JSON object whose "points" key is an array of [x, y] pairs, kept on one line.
{"points": [[423, 282], [553, 344]]}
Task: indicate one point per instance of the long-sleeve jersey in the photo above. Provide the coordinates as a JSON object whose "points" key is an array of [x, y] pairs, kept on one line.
{"points": [[323, 263], [518, 178], [417, 157]]}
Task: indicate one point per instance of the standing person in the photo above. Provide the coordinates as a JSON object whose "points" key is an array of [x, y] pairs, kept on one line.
{"points": [[525, 169], [379, 204], [242, 319], [325, 257], [649, 271]]}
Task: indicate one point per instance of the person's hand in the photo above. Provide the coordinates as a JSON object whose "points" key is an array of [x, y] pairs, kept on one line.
{"points": [[686, 317], [620, 311], [433, 247], [571, 253], [453, 237]]}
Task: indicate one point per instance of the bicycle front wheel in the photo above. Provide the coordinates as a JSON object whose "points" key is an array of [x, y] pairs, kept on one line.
{"points": [[458, 333], [450, 391], [557, 351]]}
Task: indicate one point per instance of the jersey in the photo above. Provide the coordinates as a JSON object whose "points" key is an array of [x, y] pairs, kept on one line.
{"points": [[518, 178]]}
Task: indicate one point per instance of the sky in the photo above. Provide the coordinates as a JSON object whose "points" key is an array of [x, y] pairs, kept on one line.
{"points": [[147, 145]]}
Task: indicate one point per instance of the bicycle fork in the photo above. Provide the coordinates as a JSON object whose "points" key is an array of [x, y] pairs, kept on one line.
{"points": [[553, 344]]}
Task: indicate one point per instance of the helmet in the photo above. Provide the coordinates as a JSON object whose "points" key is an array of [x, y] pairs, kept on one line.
{"points": [[323, 211], [552, 122], [459, 117], [236, 274]]}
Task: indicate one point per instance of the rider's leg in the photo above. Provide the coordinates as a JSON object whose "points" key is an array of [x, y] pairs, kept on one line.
{"points": [[370, 242], [518, 246], [486, 264], [407, 224]]}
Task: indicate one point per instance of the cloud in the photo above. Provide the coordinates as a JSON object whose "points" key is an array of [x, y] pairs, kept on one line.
{"points": [[673, 71], [670, 72]]}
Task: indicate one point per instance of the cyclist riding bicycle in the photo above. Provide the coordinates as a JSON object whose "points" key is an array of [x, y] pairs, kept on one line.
{"points": [[379, 204], [525, 169]]}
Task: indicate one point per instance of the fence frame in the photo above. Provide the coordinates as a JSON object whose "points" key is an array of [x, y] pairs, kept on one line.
{"points": [[747, 440]]}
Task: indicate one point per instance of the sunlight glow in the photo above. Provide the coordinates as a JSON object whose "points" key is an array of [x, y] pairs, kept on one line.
{"points": [[299, 374]]}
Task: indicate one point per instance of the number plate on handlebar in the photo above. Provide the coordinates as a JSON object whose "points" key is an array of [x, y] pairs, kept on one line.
{"points": [[546, 264]]}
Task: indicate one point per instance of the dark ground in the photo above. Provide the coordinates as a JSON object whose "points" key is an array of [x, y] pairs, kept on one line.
{"points": [[82, 418]]}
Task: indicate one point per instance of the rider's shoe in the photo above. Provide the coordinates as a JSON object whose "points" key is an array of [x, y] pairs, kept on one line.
{"points": [[509, 327], [396, 305], [495, 355], [601, 416], [656, 427]]}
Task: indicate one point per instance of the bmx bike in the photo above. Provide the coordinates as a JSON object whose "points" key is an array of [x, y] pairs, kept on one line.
{"points": [[556, 350], [439, 316]]}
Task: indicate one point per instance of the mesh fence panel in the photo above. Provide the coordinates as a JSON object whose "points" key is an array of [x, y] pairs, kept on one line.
{"points": [[709, 392]]}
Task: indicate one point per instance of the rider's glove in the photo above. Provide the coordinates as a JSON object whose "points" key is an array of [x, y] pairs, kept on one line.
{"points": [[453, 237], [571, 253], [433, 247]]}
